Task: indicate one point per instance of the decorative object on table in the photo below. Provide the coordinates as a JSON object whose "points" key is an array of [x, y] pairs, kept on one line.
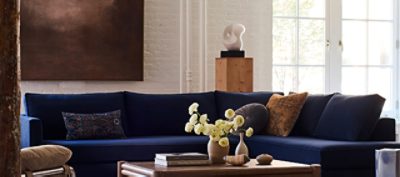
{"points": [[82, 40], [218, 145], [283, 113], [46, 159], [182, 156], [237, 160], [387, 163], [234, 74], [217, 152], [94, 126], [241, 148], [256, 116], [181, 159], [169, 163], [264, 159]]}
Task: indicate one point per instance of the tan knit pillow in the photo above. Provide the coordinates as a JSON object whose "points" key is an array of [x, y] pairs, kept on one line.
{"points": [[44, 157], [283, 113]]}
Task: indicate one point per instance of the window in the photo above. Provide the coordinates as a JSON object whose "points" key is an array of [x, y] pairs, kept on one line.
{"points": [[299, 45], [325, 46]]}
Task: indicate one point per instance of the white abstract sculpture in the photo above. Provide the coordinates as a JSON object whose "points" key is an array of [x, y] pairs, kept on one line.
{"points": [[233, 36]]}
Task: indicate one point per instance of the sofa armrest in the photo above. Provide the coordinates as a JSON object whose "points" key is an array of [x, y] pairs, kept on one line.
{"points": [[385, 130], [31, 131]]}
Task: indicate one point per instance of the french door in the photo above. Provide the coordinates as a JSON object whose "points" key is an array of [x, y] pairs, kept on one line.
{"points": [[348, 46]]}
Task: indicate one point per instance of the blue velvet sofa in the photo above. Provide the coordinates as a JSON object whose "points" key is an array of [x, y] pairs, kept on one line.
{"points": [[154, 123]]}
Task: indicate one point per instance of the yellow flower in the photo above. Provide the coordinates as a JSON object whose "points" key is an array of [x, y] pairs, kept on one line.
{"points": [[249, 132], [223, 142], [229, 113], [203, 118], [214, 137], [207, 129], [238, 121], [189, 127], [193, 119], [193, 108], [220, 124], [198, 129], [228, 127]]}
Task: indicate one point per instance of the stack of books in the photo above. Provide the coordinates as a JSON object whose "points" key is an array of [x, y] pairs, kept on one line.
{"points": [[181, 159]]}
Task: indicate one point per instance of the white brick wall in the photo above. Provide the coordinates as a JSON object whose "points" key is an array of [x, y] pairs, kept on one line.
{"points": [[163, 67]]}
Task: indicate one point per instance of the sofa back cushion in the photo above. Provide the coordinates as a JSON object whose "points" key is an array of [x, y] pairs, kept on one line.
{"points": [[350, 117], [164, 114], [310, 115], [230, 100], [49, 107]]}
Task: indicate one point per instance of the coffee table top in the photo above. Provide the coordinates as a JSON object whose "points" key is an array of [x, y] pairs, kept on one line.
{"points": [[277, 167]]}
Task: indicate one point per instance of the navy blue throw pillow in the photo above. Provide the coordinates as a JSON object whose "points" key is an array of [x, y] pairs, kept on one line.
{"points": [[350, 118], [93, 126], [310, 115], [230, 100]]}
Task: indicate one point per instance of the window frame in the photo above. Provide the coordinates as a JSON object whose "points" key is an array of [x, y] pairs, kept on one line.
{"points": [[333, 53]]}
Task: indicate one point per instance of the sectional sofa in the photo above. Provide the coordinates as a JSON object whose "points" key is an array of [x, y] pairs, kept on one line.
{"points": [[154, 123]]}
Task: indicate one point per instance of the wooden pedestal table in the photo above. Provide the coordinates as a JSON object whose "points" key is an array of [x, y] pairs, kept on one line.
{"points": [[277, 169], [234, 74]]}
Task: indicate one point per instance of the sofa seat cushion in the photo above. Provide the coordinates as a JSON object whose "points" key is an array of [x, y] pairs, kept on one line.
{"points": [[164, 114], [130, 149], [329, 153], [49, 107]]}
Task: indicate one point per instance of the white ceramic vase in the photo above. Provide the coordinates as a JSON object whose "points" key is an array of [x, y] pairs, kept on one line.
{"points": [[241, 148]]}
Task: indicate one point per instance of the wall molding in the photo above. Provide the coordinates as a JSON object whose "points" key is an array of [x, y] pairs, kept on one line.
{"points": [[183, 46], [203, 71]]}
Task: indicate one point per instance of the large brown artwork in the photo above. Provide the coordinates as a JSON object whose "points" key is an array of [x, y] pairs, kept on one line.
{"points": [[82, 39]]}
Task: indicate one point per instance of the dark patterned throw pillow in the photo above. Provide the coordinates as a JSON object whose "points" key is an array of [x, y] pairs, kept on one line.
{"points": [[93, 126]]}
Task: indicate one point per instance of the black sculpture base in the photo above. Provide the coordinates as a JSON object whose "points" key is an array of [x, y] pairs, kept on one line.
{"points": [[232, 53]]}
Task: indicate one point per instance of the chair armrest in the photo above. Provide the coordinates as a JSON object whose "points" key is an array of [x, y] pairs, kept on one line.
{"points": [[385, 130], [31, 131]]}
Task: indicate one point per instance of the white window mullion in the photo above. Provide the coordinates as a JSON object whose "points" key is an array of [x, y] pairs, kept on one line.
{"points": [[297, 45], [334, 61], [396, 71]]}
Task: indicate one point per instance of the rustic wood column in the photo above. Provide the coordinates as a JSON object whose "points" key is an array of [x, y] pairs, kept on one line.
{"points": [[9, 89]]}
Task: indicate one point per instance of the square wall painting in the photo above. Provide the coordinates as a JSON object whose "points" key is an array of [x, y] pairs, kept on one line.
{"points": [[82, 39]]}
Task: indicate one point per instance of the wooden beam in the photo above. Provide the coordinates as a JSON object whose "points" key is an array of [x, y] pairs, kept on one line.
{"points": [[9, 89]]}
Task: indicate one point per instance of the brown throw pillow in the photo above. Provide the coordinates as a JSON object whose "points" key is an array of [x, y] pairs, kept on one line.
{"points": [[283, 113], [44, 157]]}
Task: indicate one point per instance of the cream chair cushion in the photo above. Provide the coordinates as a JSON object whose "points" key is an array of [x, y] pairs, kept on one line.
{"points": [[44, 157]]}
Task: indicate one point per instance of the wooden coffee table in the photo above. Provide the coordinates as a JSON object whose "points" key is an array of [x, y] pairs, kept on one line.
{"points": [[278, 168]]}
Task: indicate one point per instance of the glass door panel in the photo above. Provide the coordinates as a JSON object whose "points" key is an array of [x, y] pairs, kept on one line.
{"points": [[368, 49], [299, 45]]}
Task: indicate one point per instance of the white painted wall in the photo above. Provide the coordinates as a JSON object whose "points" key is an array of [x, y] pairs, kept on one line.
{"points": [[181, 40]]}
